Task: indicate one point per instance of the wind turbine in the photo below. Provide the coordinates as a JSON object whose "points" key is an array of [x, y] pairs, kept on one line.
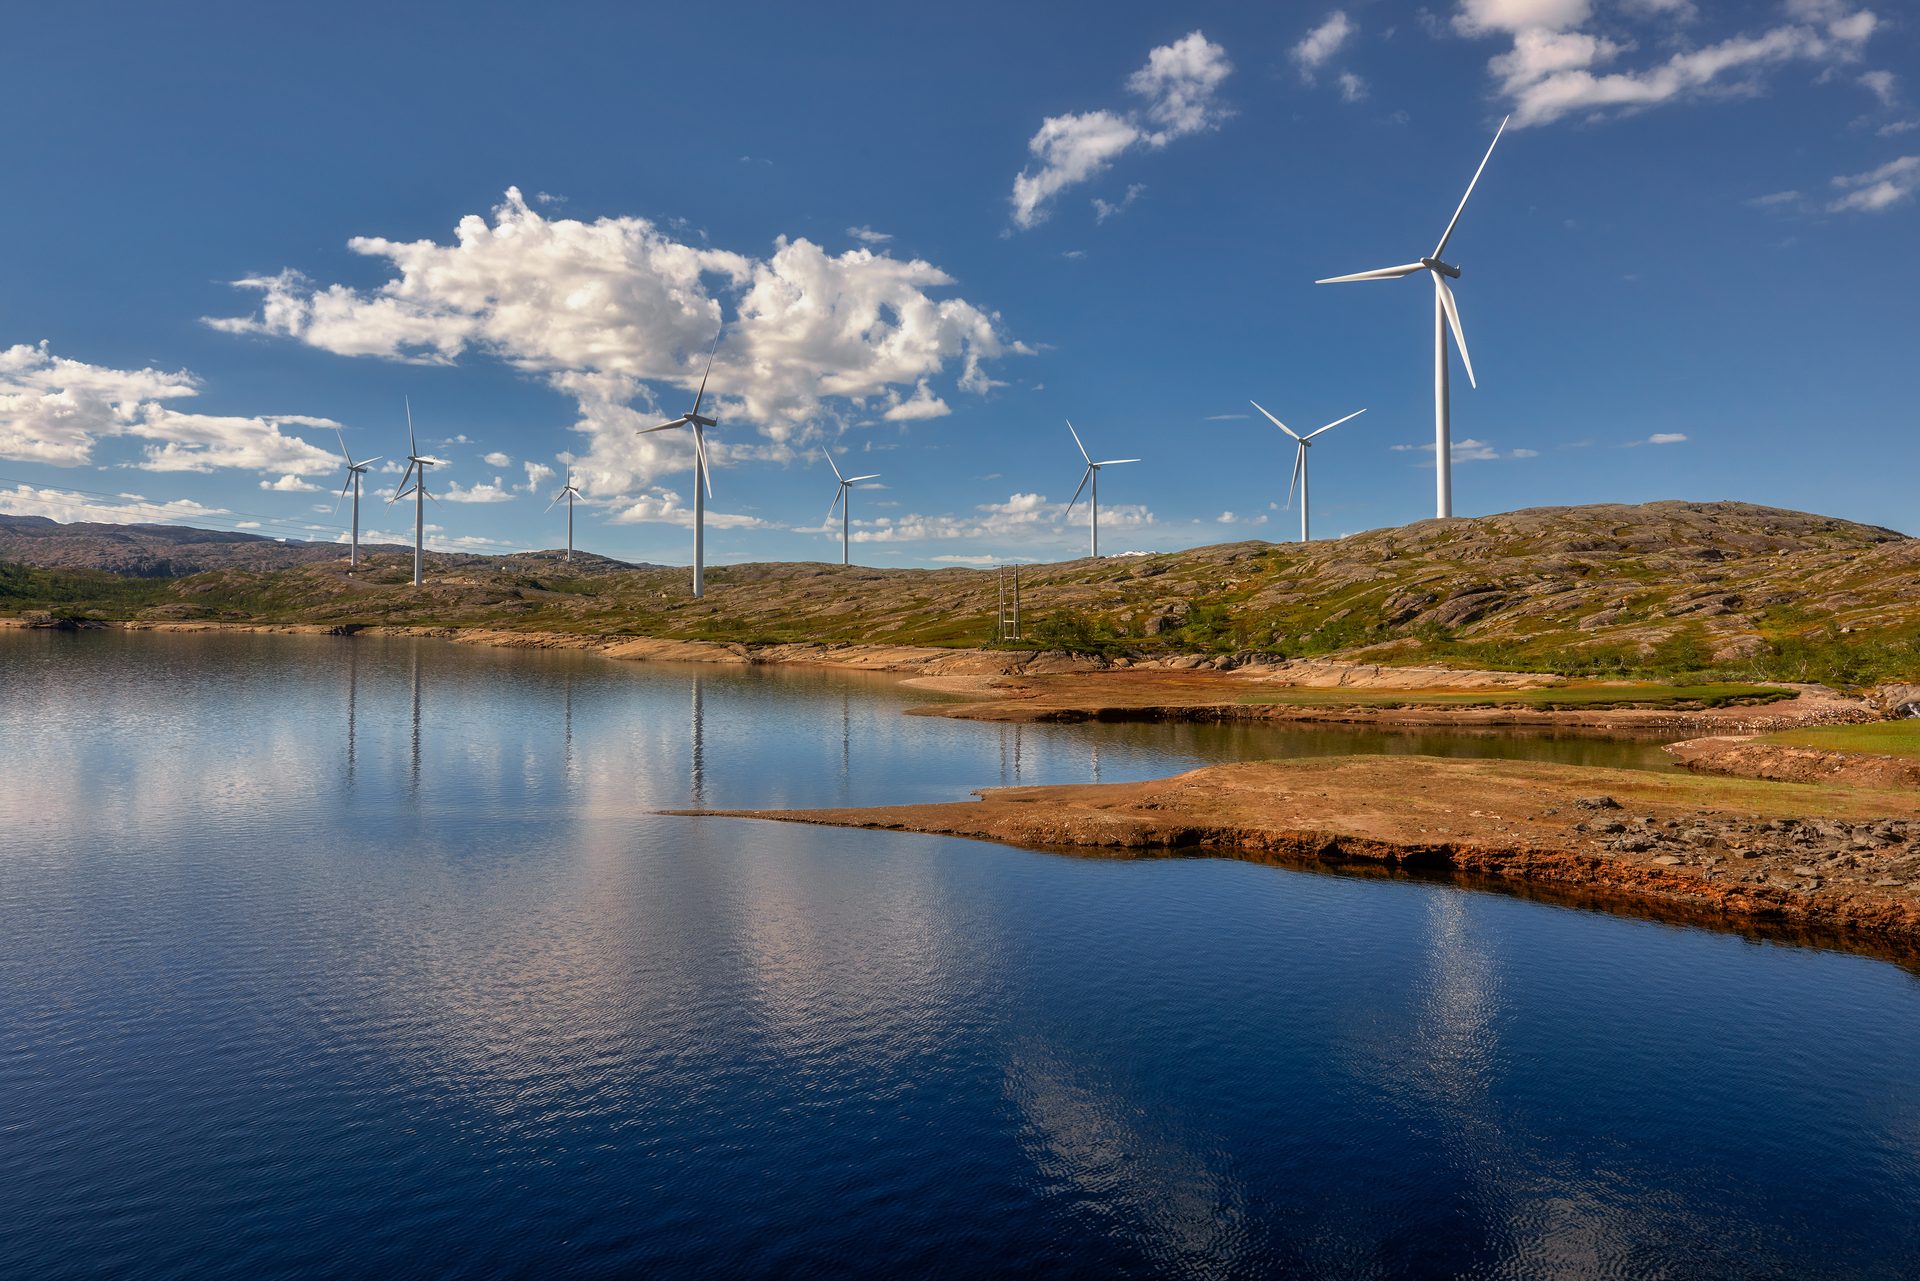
{"points": [[702, 480], [569, 493], [354, 472], [842, 501], [1446, 314], [1092, 473], [417, 464], [1301, 445]]}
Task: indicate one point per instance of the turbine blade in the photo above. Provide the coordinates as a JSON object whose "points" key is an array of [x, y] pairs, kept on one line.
{"points": [[703, 377], [1378, 273], [1453, 323], [700, 449], [1275, 421], [838, 494], [1447, 235], [343, 494], [854, 480], [365, 463], [343, 446], [400, 490], [1084, 477], [1076, 442], [556, 501], [1115, 462], [678, 422], [411, 447], [836, 470], [1299, 458], [1335, 423]]}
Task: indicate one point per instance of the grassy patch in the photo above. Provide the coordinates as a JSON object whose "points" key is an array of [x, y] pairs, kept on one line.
{"points": [[1571, 697], [1881, 738]]}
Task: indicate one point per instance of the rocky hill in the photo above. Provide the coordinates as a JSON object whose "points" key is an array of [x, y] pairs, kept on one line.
{"points": [[1661, 587]]}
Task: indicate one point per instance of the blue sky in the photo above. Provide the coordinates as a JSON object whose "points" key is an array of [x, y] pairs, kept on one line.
{"points": [[932, 238]]}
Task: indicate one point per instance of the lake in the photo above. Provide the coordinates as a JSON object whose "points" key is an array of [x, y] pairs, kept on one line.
{"points": [[371, 958]]}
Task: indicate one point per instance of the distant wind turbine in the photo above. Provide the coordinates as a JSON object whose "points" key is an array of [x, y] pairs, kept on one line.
{"points": [[843, 502], [1301, 445], [1446, 313], [417, 464], [1092, 474], [354, 472], [702, 480], [569, 493]]}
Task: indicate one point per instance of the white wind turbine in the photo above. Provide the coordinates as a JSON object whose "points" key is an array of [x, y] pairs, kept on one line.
{"points": [[569, 493], [1092, 474], [843, 501], [354, 472], [1301, 445], [1445, 314], [417, 464], [702, 481]]}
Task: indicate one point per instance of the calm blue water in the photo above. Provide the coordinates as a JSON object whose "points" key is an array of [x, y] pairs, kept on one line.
{"points": [[368, 959]]}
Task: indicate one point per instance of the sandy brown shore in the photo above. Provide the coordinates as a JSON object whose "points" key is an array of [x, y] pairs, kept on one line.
{"points": [[1844, 861]]}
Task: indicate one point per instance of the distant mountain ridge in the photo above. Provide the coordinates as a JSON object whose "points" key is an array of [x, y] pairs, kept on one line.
{"points": [[177, 551]]}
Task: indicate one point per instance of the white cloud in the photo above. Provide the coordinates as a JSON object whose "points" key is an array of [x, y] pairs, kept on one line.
{"points": [[494, 491], [1231, 518], [1178, 87], [1658, 438], [1469, 451], [664, 506], [290, 484], [1319, 45], [1352, 87], [496, 459], [125, 509], [55, 410], [1894, 128], [923, 404], [868, 236], [604, 310], [1878, 189], [246, 524], [1774, 199], [538, 474], [1105, 209], [1028, 517], [1884, 85], [984, 559], [1556, 68], [1225, 418]]}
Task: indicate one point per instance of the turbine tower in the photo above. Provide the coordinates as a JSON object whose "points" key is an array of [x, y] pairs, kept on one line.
{"points": [[569, 493], [1446, 314], [702, 481], [354, 472], [417, 464], [1092, 473], [843, 502], [1301, 445]]}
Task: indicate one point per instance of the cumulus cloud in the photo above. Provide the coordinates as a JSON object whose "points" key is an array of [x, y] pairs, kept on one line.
{"points": [[124, 509], [493, 491], [1560, 63], [664, 506], [1878, 189], [538, 474], [868, 236], [1320, 44], [496, 459], [1027, 517], [1884, 85], [1178, 89], [290, 484], [608, 311], [55, 410], [921, 405]]}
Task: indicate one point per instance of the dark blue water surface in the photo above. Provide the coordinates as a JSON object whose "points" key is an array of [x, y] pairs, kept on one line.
{"points": [[369, 958]]}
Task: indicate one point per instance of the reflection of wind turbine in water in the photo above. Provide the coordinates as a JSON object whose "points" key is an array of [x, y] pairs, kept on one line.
{"points": [[416, 715], [1300, 447], [1446, 315], [699, 748], [846, 743], [353, 705], [567, 734]]}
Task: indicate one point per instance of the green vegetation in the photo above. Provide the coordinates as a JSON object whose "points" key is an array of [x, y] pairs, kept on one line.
{"points": [[1881, 738], [1573, 697], [1692, 596]]}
